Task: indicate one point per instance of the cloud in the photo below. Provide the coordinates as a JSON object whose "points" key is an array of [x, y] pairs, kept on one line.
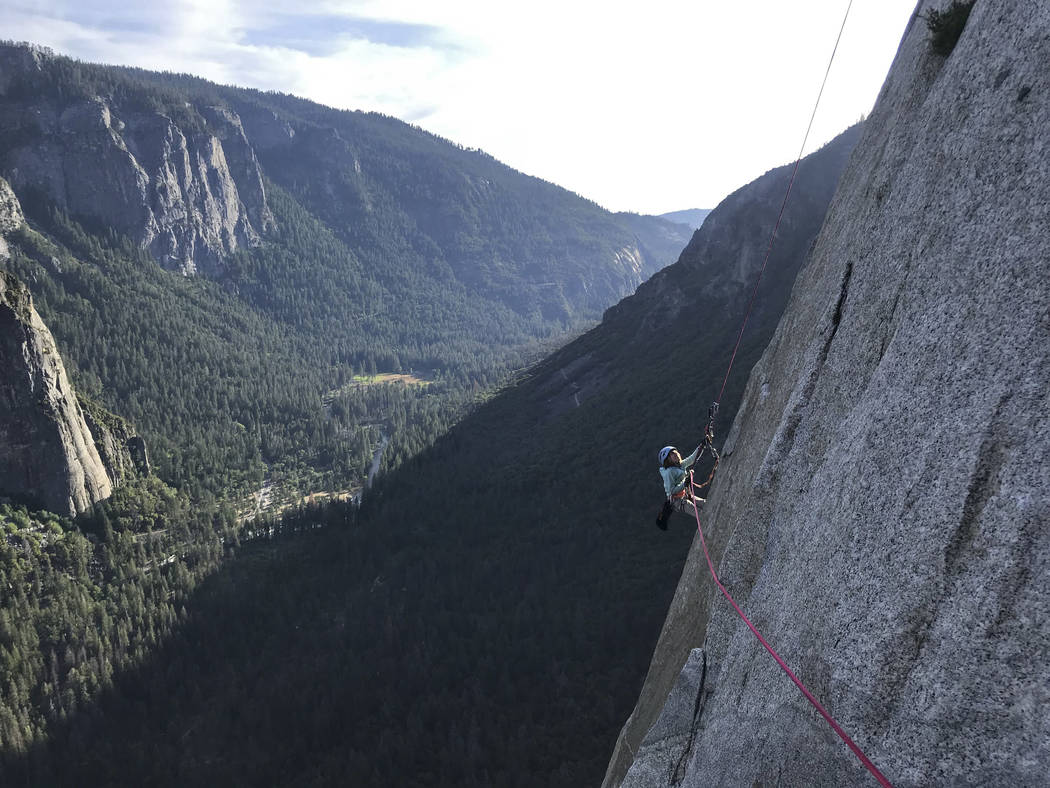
{"points": [[324, 34], [98, 14]]}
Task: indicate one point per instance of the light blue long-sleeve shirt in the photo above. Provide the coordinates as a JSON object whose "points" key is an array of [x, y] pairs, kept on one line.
{"points": [[677, 477]]}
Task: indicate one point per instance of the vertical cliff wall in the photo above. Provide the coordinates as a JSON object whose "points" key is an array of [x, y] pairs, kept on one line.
{"points": [[47, 453], [57, 450], [10, 217], [885, 496], [187, 186]]}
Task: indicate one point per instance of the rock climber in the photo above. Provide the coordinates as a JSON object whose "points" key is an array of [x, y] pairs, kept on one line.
{"points": [[674, 469]]}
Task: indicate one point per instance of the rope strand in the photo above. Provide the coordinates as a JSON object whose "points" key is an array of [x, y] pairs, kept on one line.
{"points": [[783, 665], [783, 205], [714, 409]]}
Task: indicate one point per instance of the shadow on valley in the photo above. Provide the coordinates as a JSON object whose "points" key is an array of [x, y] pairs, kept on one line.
{"points": [[460, 645]]}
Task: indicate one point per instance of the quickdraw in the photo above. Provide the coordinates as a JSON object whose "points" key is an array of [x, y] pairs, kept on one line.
{"points": [[709, 440]]}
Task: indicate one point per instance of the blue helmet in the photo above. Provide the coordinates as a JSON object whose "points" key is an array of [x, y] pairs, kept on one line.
{"points": [[664, 452]]}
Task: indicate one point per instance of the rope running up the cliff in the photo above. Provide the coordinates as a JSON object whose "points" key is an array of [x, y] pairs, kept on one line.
{"points": [[783, 665], [714, 410], [783, 205]]}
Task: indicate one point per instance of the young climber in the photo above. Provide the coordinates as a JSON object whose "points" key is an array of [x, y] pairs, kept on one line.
{"points": [[675, 472]]}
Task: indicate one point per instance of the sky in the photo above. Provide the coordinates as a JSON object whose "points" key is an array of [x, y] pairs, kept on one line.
{"points": [[648, 107]]}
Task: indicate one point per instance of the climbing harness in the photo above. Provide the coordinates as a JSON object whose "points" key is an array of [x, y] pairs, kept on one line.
{"points": [[668, 507], [709, 437]]}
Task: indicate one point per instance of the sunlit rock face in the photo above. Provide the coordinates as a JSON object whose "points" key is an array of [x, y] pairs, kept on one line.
{"points": [[56, 451], [10, 216], [47, 453], [187, 186], [885, 496]]}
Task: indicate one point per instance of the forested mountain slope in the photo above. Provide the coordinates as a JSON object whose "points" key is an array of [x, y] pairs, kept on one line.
{"points": [[487, 618], [234, 293], [394, 192], [325, 243], [886, 491]]}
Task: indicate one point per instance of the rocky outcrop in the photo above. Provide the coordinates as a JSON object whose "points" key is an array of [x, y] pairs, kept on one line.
{"points": [[265, 127], [242, 164], [47, 453], [10, 216], [10, 211], [35, 420], [121, 449], [188, 188], [886, 489]]}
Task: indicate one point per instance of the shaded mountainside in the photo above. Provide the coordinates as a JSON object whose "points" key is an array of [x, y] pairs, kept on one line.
{"points": [[884, 499], [328, 244], [486, 620], [389, 189], [668, 343], [233, 293]]}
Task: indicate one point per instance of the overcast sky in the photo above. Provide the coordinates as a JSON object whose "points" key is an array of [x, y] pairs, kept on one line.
{"points": [[646, 106]]}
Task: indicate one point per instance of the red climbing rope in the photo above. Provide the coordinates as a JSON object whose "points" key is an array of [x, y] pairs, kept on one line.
{"points": [[809, 695], [783, 205], [714, 410]]}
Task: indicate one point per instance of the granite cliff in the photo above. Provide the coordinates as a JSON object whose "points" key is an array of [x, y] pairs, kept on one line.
{"points": [[884, 498], [11, 217], [186, 184], [47, 452], [182, 167], [56, 450]]}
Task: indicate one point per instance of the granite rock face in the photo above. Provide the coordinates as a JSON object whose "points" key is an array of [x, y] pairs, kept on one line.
{"points": [[713, 278], [122, 450], [47, 453], [10, 211], [885, 497], [10, 217], [190, 193]]}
